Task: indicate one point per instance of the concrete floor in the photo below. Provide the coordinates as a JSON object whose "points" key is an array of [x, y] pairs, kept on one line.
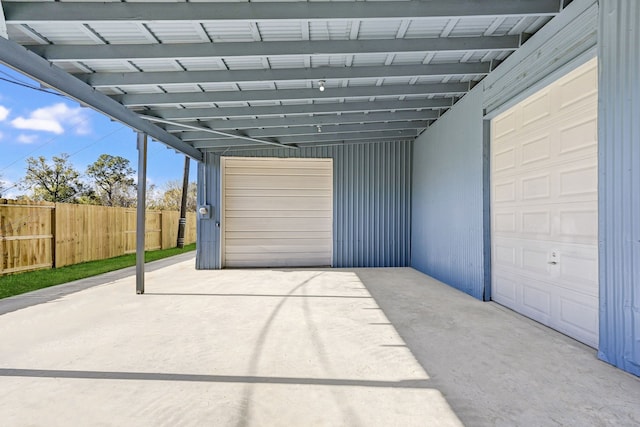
{"points": [[364, 347]]}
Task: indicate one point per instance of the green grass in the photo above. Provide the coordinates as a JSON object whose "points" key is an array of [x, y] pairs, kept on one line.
{"points": [[15, 284]]}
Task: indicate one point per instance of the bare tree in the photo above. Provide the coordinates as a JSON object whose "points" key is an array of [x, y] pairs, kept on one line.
{"points": [[170, 197]]}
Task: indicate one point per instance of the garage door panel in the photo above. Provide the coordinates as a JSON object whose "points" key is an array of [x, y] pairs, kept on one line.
{"points": [[576, 87], [535, 223], [279, 260], [504, 190], [284, 248], [537, 301], [277, 203], [273, 213], [280, 182], [254, 163], [278, 192], [288, 234], [536, 187], [504, 290], [536, 108], [304, 245], [579, 317], [537, 149], [580, 138], [544, 177], [576, 269], [281, 170], [579, 180], [580, 223], [277, 224], [580, 266], [504, 125], [277, 212]]}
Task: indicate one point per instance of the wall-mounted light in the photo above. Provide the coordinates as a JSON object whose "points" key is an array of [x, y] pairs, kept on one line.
{"points": [[321, 85], [319, 128]]}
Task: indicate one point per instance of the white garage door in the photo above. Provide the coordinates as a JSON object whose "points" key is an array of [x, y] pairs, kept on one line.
{"points": [[277, 212], [544, 206]]}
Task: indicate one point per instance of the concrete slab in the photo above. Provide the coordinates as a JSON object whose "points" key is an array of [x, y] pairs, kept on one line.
{"points": [[365, 347]]}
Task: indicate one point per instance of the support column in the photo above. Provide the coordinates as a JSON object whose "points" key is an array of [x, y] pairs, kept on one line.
{"points": [[619, 182], [140, 211]]}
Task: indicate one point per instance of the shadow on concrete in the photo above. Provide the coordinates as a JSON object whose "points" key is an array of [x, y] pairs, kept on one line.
{"points": [[157, 376]]}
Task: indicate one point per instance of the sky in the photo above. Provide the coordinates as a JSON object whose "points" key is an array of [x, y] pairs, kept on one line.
{"points": [[35, 123]]}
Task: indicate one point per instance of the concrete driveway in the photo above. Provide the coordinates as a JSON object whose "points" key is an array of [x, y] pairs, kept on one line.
{"points": [[364, 347]]}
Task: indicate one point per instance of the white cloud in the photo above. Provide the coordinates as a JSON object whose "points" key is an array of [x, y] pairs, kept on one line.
{"points": [[27, 139], [55, 119], [4, 113]]}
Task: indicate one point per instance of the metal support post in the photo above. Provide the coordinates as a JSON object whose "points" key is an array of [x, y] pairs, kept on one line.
{"points": [[140, 211]]}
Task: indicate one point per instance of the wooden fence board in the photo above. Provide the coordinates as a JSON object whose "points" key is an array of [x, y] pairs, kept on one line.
{"points": [[44, 235], [26, 238]]}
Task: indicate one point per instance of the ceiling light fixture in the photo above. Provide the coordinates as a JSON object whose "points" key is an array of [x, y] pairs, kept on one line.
{"points": [[321, 85]]}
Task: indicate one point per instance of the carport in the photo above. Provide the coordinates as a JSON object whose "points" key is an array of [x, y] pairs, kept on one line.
{"points": [[404, 99]]}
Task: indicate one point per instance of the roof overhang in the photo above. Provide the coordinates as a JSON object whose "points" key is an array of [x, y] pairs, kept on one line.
{"points": [[215, 76]]}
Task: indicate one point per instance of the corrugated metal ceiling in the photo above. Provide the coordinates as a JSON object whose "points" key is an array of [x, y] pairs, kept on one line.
{"points": [[151, 57]]}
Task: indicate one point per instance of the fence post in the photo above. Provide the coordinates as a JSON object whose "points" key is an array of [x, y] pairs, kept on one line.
{"points": [[54, 239], [2, 233]]}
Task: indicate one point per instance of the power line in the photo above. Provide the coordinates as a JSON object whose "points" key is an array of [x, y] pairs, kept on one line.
{"points": [[29, 86]]}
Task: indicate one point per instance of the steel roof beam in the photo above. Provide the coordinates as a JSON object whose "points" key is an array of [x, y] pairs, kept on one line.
{"points": [[3, 23], [332, 119], [122, 80], [20, 59], [190, 136], [394, 134], [249, 147], [298, 109], [209, 131], [158, 99], [181, 51], [144, 12]]}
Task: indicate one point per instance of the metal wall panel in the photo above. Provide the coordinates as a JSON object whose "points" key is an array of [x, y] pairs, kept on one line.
{"points": [[372, 190], [619, 183], [207, 229], [569, 37], [447, 236]]}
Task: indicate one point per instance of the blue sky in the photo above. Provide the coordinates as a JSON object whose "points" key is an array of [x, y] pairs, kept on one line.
{"points": [[34, 123]]}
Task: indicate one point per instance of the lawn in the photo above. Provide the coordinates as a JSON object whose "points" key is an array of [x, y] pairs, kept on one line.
{"points": [[15, 284]]}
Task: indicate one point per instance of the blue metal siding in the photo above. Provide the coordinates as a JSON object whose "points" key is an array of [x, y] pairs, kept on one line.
{"points": [[619, 183], [372, 189], [447, 236], [208, 232]]}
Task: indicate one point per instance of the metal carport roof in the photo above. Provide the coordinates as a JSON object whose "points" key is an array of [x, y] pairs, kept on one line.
{"points": [[210, 76]]}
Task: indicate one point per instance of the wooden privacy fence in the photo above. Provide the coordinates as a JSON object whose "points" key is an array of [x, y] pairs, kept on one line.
{"points": [[46, 235]]}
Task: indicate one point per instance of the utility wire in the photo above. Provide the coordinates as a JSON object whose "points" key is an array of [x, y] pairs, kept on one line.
{"points": [[28, 86]]}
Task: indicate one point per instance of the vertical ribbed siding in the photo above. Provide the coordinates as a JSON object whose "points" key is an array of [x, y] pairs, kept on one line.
{"points": [[447, 235], [208, 232], [619, 183], [371, 211]]}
